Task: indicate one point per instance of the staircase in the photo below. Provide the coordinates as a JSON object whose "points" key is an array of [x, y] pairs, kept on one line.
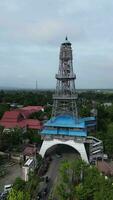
{"points": [[95, 148]]}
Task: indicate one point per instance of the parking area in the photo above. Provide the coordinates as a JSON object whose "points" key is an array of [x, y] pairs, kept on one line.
{"points": [[13, 171]]}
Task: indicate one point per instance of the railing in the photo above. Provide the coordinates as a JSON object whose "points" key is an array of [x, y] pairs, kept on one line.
{"points": [[70, 76], [64, 138], [67, 96], [96, 148]]}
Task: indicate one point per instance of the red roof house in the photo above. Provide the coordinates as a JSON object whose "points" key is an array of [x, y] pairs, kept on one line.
{"points": [[13, 119], [33, 124], [19, 118], [105, 168], [30, 151], [28, 110]]}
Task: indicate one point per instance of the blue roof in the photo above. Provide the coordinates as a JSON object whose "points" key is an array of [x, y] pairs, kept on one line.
{"points": [[68, 121], [68, 125]]}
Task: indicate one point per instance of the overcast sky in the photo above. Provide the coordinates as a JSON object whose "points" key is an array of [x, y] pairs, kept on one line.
{"points": [[31, 32]]}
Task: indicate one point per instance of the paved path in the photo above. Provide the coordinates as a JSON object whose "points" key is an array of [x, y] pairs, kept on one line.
{"points": [[13, 172], [54, 167]]}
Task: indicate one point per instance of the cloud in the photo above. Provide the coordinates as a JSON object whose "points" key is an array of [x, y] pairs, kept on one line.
{"points": [[31, 32]]}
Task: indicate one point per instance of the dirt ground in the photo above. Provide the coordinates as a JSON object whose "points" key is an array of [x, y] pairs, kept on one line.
{"points": [[14, 170]]}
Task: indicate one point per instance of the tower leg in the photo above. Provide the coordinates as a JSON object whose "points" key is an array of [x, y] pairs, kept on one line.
{"points": [[80, 147]]}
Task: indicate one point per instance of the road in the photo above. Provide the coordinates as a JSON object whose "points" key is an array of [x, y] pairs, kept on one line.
{"points": [[54, 167], [67, 154], [52, 174], [14, 171]]}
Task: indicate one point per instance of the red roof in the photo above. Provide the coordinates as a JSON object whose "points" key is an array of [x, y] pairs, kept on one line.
{"points": [[28, 110], [105, 167], [13, 125], [34, 124], [14, 118], [30, 151]]}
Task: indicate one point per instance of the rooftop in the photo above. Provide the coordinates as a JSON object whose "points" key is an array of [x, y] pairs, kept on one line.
{"points": [[68, 121], [68, 125], [30, 151], [19, 118]]}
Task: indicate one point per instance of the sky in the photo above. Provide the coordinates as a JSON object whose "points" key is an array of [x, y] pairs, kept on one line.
{"points": [[31, 32]]}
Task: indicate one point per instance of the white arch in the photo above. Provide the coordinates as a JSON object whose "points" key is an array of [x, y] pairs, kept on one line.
{"points": [[76, 145]]}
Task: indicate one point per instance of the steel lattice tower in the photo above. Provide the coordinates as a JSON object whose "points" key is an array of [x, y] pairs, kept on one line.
{"points": [[65, 97]]}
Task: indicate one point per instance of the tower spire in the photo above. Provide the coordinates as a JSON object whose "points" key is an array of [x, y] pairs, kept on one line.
{"points": [[66, 38]]}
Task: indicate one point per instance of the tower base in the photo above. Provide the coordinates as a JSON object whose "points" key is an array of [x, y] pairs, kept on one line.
{"points": [[76, 145]]}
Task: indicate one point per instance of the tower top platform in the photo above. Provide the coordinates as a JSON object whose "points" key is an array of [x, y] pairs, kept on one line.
{"points": [[66, 41]]}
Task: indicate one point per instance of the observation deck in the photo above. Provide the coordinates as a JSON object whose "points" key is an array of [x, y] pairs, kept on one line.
{"points": [[65, 77], [65, 97]]}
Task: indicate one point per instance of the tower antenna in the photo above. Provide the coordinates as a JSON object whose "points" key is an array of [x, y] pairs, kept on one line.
{"points": [[36, 85]]}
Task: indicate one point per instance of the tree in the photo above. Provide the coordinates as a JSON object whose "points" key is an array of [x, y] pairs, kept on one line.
{"points": [[18, 195], [19, 184], [71, 173], [79, 181], [108, 140], [3, 108], [33, 136], [1, 137], [33, 183]]}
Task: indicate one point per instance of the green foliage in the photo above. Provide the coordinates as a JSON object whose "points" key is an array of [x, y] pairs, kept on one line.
{"points": [[38, 115], [108, 140], [19, 184], [33, 136], [3, 107], [16, 136], [1, 137], [32, 184], [18, 195], [42, 114], [70, 175], [27, 97], [24, 190], [79, 181], [10, 139]]}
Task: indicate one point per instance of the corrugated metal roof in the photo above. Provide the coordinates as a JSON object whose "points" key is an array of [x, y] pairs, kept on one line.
{"points": [[65, 121]]}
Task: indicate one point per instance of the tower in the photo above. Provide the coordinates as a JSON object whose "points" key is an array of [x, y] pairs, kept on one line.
{"points": [[65, 127], [64, 99]]}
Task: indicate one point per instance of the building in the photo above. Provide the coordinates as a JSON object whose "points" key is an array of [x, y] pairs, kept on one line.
{"points": [[30, 152], [28, 168], [105, 168], [20, 118], [66, 126], [30, 159]]}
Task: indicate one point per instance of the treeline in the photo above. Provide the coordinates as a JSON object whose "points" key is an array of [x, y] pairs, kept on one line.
{"points": [[26, 97], [97, 96]]}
